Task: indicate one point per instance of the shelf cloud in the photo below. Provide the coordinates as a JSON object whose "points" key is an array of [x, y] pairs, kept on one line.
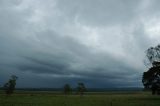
{"points": [[99, 42]]}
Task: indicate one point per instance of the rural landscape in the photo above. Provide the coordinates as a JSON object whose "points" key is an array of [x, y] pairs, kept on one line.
{"points": [[89, 99], [81, 96], [79, 53]]}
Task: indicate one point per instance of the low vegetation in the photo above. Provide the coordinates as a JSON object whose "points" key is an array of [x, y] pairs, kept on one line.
{"points": [[89, 99]]}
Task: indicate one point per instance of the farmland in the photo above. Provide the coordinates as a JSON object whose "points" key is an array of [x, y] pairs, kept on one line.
{"points": [[49, 98]]}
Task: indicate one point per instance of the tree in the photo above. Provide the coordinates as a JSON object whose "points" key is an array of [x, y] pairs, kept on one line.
{"points": [[9, 87], [67, 89], [81, 88], [153, 56], [151, 78]]}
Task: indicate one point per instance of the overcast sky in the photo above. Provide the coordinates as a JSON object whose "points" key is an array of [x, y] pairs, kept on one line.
{"points": [[102, 43]]}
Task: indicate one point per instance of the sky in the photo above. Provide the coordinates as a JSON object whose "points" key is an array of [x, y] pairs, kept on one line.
{"points": [[102, 43]]}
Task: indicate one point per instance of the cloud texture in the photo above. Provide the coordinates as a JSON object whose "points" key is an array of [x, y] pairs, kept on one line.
{"points": [[99, 42]]}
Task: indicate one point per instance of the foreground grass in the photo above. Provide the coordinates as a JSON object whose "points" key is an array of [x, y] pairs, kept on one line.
{"points": [[90, 99]]}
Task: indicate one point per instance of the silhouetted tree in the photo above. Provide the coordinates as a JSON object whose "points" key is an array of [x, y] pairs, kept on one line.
{"points": [[153, 56], [9, 87], [81, 88], [67, 89], [151, 78]]}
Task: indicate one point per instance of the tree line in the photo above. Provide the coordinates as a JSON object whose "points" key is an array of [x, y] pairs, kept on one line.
{"points": [[9, 87]]}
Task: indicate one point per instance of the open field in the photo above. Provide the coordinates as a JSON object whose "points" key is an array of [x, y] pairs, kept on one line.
{"points": [[89, 99]]}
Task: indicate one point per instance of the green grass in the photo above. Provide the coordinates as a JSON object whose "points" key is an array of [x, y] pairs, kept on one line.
{"points": [[89, 99]]}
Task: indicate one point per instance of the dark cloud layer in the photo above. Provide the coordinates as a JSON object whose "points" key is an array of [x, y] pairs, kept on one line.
{"points": [[99, 42]]}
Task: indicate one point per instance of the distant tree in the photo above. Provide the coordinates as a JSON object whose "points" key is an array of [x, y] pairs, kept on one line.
{"points": [[67, 89], [9, 87], [151, 78], [81, 88]]}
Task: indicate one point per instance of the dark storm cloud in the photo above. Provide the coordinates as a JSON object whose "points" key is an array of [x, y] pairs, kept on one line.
{"points": [[101, 43]]}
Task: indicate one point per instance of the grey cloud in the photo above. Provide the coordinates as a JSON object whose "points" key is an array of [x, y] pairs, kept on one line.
{"points": [[102, 12], [37, 45]]}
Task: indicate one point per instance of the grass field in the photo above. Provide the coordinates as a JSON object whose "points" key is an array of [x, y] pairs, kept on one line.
{"points": [[89, 99]]}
